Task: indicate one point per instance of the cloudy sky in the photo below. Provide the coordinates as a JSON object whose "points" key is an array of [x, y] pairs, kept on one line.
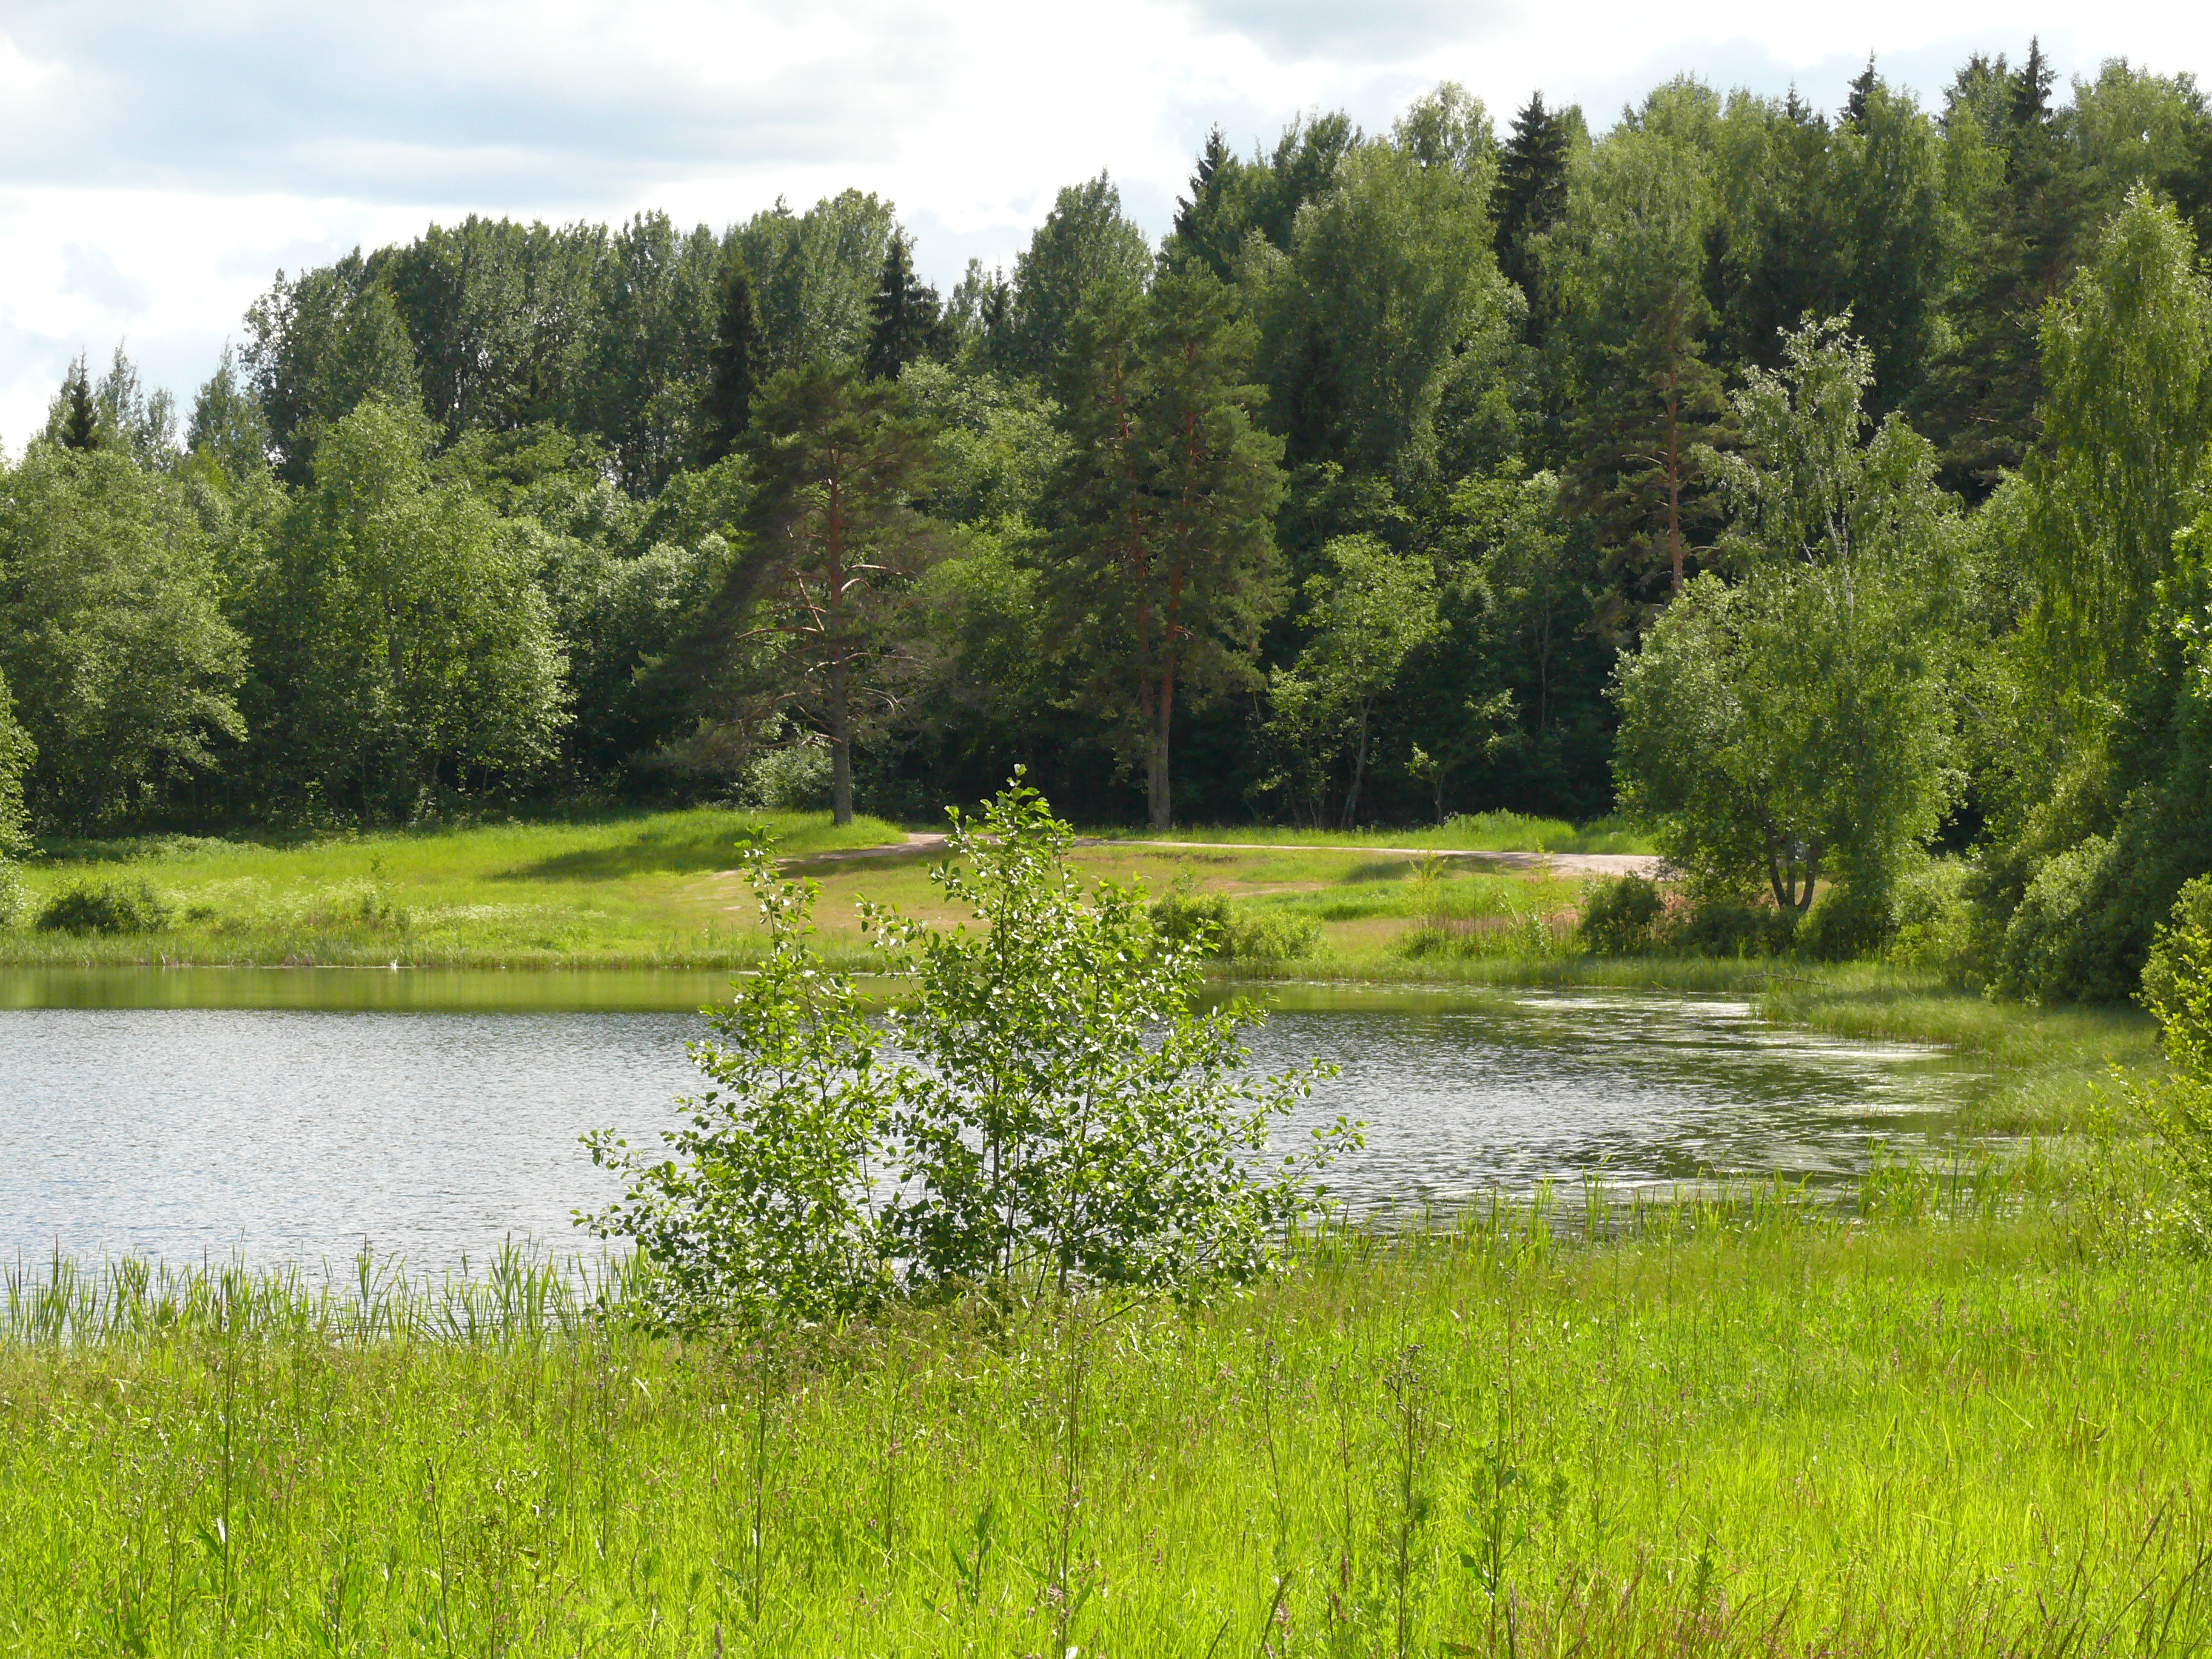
{"points": [[159, 161]]}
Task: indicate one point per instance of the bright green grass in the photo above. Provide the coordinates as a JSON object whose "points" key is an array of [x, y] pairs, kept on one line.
{"points": [[1755, 1429], [1468, 832], [645, 889]]}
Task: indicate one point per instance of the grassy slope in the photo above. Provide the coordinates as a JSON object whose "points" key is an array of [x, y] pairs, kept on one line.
{"points": [[1763, 1433], [637, 890]]}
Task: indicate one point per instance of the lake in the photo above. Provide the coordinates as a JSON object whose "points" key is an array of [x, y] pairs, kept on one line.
{"points": [[189, 1114]]}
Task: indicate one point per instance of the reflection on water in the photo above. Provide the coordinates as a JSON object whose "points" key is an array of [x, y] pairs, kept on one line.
{"points": [[276, 1131]]}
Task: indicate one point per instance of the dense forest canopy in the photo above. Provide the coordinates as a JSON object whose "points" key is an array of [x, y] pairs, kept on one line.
{"points": [[1823, 487]]}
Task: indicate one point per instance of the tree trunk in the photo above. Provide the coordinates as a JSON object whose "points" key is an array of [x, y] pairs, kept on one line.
{"points": [[841, 745], [1675, 487], [1158, 797], [1358, 772]]}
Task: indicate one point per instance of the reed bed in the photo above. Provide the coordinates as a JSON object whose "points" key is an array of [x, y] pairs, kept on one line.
{"points": [[1717, 1421]]}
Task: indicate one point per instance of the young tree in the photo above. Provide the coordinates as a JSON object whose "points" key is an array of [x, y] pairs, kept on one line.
{"points": [[736, 364], [1165, 564], [17, 751], [1368, 611], [1798, 725], [75, 421], [837, 543], [1211, 222]]}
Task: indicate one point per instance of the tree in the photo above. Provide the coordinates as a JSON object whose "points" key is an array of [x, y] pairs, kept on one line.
{"points": [[1530, 196], [2127, 354], [642, 363], [736, 364], [837, 543], [1049, 1112], [1164, 558], [17, 751], [407, 645], [76, 421], [1211, 222], [316, 346], [1084, 240], [112, 634], [1635, 272], [1798, 725], [227, 427], [905, 326], [1389, 292], [813, 274], [1368, 611]]}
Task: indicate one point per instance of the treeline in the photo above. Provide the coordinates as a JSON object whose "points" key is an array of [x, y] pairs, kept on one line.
{"points": [[1818, 483]]}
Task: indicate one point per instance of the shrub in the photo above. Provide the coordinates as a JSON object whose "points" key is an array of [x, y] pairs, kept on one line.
{"points": [[793, 779], [15, 897], [2059, 944], [1730, 927], [1931, 919], [1209, 922], [1844, 924], [2176, 989], [108, 907], [1620, 916]]}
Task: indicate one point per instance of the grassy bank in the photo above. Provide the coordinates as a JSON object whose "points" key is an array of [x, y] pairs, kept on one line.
{"points": [[1745, 1428]]}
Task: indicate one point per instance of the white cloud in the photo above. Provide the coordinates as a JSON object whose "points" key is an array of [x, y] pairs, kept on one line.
{"points": [[184, 151]]}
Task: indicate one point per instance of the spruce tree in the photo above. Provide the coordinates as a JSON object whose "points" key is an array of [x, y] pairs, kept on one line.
{"points": [[737, 361], [79, 422], [1863, 85], [1209, 224], [1530, 196], [906, 321]]}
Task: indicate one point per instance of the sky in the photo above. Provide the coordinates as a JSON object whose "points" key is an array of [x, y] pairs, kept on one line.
{"points": [[162, 160]]}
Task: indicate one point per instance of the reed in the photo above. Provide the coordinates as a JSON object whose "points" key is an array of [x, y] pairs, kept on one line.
{"points": [[1715, 1419]]}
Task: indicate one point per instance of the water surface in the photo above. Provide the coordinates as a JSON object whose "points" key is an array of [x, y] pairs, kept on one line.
{"points": [[435, 1116]]}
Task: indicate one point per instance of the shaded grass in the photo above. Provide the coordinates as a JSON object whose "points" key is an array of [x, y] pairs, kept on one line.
{"points": [[1742, 1427]]}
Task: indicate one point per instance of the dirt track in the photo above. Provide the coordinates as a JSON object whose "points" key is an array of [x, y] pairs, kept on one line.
{"points": [[1573, 864]]}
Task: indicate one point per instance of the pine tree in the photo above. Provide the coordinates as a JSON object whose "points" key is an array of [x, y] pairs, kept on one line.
{"points": [[907, 324], [737, 361], [78, 417]]}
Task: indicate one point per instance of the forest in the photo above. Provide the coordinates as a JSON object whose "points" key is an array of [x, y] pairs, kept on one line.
{"points": [[1823, 491]]}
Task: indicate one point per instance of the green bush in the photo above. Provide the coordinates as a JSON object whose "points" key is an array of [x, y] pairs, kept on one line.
{"points": [[2059, 944], [1730, 927], [793, 779], [1845, 925], [1621, 917], [109, 907], [2176, 989], [15, 897], [1185, 917], [1931, 919]]}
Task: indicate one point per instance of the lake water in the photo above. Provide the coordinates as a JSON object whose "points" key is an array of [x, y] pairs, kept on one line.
{"points": [[435, 1116]]}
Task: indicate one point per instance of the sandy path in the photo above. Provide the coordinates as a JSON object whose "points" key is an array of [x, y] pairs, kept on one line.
{"points": [[1572, 864]]}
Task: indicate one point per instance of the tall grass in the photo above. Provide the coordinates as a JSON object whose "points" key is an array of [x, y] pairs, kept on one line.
{"points": [[1741, 1424], [1465, 832]]}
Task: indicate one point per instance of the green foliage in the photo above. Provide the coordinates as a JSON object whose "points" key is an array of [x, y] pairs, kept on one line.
{"points": [[2176, 989], [1620, 916], [405, 640], [1045, 1107], [1211, 924], [17, 751], [1931, 919], [107, 907], [1718, 925], [1846, 924], [112, 640], [1164, 563], [764, 1209], [1800, 720], [1085, 241]]}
